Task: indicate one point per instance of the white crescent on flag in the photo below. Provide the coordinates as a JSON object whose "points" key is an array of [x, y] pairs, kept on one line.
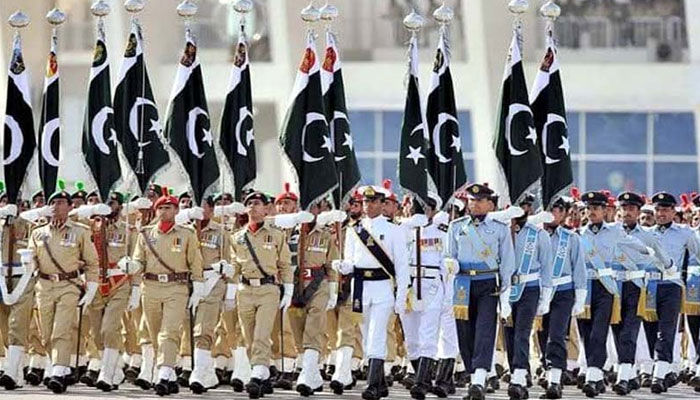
{"points": [[49, 130], [98, 125], [190, 130], [337, 115], [442, 119], [243, 113], [513, 110], [310, 118], [17, 140], [551, 118], [133, 115]]}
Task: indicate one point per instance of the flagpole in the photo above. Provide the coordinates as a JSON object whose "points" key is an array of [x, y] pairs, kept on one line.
{"points": [[134, 7], [55, 17]]}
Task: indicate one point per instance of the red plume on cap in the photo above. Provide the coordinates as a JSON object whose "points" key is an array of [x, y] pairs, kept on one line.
{"points": [[685, 201], [386, 183], [486, 184], [287, 194], [165, 198], [286, 187], [606, 192], [644, 199], [576, 193], [611, 201], [164, 191]]}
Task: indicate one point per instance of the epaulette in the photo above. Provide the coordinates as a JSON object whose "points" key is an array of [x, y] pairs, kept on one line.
{"points": [[442, 227], [77, 224], [497, 221]]}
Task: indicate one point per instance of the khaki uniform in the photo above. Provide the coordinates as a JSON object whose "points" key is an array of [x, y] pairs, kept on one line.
{"points": [[308, 320], [57, 297], [112, 297], [164, 301], [15, 319], [257, 304]]}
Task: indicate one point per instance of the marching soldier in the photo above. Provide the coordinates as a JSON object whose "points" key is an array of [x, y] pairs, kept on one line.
{"points": [[62, 248], [530, 295], [215, 247], [600, 240], [17, 284], [481, 249], [676, 239], [169, 256], [570, 286], [315, 292], [422, 323], [631, 269], [115, 294], [261, 258], [376, 254]]}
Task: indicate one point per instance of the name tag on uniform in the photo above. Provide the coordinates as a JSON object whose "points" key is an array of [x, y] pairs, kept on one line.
{"points": [[177, 244]]}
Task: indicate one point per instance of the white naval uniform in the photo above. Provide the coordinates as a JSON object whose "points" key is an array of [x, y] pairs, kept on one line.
{"points": [[378, 296]]}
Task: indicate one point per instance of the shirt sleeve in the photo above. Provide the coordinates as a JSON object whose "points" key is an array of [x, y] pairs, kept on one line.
{"points": [[507, 255], [332, 254], [578, 263], [451, 248], [400, 250], [89, 256], [284, 261], [544, 252], [693, 244], [194, 258]]}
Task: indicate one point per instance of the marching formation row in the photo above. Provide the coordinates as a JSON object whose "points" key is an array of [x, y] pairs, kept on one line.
{"points": [[165, 294]]}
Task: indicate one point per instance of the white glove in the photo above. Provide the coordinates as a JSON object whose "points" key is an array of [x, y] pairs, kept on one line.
{"points": [[134, 298], [441, 218], [329, 217], [343, 267], [229, 210], [197, 295], [333, 299], [545, 299], [8, 210], [133, 207], [26, 257], [89, 295], [415, 221], [129, 266], [504, 300], [580, 302], [182, 217], [230, 299], [224, 268], [451, 265], [36, 213], [400, 303], [287, 296], [506, 215], [543, 217], [195, 213]]}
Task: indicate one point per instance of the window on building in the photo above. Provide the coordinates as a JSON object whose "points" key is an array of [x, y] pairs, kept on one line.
{"points": [[377, 136], [646, 152]]}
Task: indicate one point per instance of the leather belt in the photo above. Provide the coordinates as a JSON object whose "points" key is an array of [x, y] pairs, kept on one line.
{"points": [[371, 274], [524, 278], [313, 272], [475, 272], [60, 277], [269, 280], [181, 277]]}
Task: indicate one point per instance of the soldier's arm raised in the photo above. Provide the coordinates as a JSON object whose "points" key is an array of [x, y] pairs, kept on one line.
{"points": [[89, 256]]}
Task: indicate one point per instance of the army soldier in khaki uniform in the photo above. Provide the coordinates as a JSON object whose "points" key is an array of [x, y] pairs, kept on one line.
{"points": [[261, 258], [115, 295], [61, 249], [315, 291], [17, 296], [215, 247], [169, 257]]}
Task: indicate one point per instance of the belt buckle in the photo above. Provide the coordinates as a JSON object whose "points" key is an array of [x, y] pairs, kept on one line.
{"points": [[54, 278], [307, 273], [163, 278], [472, 272], [255, 282], [367, 274]]}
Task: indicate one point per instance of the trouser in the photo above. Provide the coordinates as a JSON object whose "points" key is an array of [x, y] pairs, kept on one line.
{"points": [[694, 328], [205, 321], [346, 334], [256, 306], [555, 326], [277, 345], [625, 333], [105, 317], [375, 318], [308, 322], [15, 319], [594, 331], [164, 308], [36, 344], [421, 328], [661, 335], [448, 346], [331, 334], [228, 336], [477, 335], [57, 303], [517, 336], [130, 329]]}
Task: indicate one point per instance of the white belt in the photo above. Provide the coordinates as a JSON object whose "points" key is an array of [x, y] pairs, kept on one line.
{"points": [[656, 276], [114, 272], [561, 281], [210, 274], [525, 278], [430, 273], [630, 275], [694, 270], [16, 271], [599, 273]]}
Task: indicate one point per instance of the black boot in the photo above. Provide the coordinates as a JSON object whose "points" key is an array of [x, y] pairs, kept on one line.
{"points": [[266, 387], [590, 389], [476, 392], [90, 378], [375, 375], [634, 384], [462, 379], [658, 386], [568, 378], [8, 383], [184, 378], [57, 384], [132, 373], [517, 392], [142, 383], [410, 379], [645, 380], [162, 388], [671, 380], [444, 383], [553, 392], [492, 384], [622, 388], [35, 376], [422, 385], [694, 381], [173, 387], [254, 388], [237, 385], [284, 381]]}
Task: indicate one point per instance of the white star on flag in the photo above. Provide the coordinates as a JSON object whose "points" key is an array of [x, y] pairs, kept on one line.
{"points": [[532, 136], [456, 143], [327, 144], [348, 141], [155, 126], [565, 144], [415, 154], [208, 137]]}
